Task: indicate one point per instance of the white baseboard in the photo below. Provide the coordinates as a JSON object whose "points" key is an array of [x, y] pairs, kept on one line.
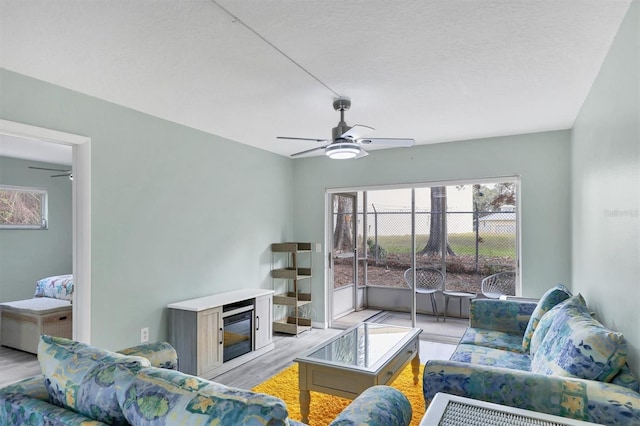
{"points": [[322, 325]]}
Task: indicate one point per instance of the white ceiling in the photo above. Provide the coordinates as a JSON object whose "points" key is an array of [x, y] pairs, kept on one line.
{"points": [[434, 71]]}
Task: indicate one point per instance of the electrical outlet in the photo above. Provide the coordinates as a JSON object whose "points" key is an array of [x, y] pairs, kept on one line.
{"points": [[144, 335]]}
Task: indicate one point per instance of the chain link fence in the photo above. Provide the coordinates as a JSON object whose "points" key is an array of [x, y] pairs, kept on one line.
{"points": [[479, 243]]}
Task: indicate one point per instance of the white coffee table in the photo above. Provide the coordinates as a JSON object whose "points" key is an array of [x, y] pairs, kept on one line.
{"points": [[366, 355]]}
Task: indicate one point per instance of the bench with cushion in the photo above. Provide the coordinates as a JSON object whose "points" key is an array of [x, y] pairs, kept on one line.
{"points": [[48, 312]]}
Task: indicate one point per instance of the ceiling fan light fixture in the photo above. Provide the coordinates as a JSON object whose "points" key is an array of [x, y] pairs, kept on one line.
{"points": [[342, 151]]}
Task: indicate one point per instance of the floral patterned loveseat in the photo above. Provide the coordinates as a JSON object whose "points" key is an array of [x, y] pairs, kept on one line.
{"points": [[81, 385], [550, 357]]}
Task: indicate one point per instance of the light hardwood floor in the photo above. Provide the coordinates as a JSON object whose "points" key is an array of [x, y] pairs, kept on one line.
{"points": [[287, 347], [17, 365]]}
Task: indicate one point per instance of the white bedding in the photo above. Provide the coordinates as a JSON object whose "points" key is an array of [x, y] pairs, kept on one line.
{"points": [[36, 306]]}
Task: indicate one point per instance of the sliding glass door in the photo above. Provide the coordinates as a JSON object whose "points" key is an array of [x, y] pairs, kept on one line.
{"points": [[467, 230]]}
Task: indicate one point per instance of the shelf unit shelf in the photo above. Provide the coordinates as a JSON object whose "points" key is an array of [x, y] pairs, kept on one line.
{"points": [[297, 281], [291, 247], [289, 325], [291, 273], [291, 299]]}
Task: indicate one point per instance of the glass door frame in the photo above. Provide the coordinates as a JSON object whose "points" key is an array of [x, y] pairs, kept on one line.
{"points": [[354, 254]]}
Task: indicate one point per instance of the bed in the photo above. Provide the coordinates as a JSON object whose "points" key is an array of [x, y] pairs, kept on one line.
{"points": [[48, 312]]}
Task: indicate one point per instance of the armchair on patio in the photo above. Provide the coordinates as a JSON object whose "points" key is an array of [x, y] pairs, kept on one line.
{"points": [[500, 284], [428, 281]]}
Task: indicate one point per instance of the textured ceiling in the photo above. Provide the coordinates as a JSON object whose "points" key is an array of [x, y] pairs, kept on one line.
{"points": [[434, 71]]}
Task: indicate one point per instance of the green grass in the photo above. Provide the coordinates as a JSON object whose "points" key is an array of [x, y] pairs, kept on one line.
{"points": [[491, 245]]}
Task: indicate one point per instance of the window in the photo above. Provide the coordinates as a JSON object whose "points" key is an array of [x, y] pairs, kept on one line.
{"points": [[475, 222], [23, 208]]}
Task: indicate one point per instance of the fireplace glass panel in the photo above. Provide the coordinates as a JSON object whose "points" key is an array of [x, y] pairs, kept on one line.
{"points": [[237, 335]]}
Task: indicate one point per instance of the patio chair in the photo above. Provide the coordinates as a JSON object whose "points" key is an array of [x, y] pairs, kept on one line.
{"points": [[428, 281], [500, 284]]}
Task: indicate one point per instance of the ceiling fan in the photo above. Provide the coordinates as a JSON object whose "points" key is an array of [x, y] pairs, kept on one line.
{"points": [[66, 172], [347, 141]]}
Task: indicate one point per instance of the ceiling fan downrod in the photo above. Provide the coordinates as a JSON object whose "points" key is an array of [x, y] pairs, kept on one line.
{"points": [[341, 104]]}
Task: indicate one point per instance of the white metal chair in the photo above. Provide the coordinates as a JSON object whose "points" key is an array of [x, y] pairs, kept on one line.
{"points": [[428, 281], [500, 284]]}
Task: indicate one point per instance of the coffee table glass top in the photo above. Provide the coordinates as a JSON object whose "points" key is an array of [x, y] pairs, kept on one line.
{"points": [[365, 346]]}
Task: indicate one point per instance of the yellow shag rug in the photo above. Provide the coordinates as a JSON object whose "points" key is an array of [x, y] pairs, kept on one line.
{"points": [[324, 408]]}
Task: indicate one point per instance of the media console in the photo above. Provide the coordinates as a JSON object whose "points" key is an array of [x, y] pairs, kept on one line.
{"points": [[216, 333]]}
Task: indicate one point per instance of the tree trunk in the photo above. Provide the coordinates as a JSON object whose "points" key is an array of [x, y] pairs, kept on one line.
{"points": [[342, 239], [436, 236]]}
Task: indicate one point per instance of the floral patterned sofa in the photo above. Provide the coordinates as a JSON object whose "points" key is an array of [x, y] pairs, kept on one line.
{"points": [[81, 385], [550, 357]]}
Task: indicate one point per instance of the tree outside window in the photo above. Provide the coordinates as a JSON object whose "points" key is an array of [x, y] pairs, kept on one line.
{"points": [[23, 208]]}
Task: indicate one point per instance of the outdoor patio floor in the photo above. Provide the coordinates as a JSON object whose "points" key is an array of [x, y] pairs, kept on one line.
{"points": [[448, 332]]}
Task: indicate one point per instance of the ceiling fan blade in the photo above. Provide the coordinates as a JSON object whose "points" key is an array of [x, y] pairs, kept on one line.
{"points": [[308, 151], [357, 131], [363, 153], [66, 174], [388, 142], [302, 139], [44, 168]]}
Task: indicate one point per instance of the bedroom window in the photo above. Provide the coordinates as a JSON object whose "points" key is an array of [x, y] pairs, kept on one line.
{"points": [[23, 207]]}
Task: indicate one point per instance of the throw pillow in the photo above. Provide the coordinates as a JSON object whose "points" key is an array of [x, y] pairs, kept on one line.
{"points": [[576, 345], [157, 397], [548, 300], [85, 379], [56, 287], [547, 320]]}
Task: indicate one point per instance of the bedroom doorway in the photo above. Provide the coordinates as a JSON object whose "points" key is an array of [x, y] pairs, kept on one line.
{"points": [[81, 212]]}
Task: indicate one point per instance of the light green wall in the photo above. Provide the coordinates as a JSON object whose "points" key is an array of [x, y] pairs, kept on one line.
{"points": [[27, 255], [175, 216], [541, 159], [176, 213], [606, 189]]}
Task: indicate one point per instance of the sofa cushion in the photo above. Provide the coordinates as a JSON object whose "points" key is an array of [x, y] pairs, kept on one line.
{"points": [[492, 357], [492, 339], [577, 302], [26, 403], [588, 400], [626, 378], [507, 316], [86, 379], [157, 397], [550, 299], [576, 345]]}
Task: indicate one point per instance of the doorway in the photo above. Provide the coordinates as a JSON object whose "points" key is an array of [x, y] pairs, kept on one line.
{"points": [[81, 212]]}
